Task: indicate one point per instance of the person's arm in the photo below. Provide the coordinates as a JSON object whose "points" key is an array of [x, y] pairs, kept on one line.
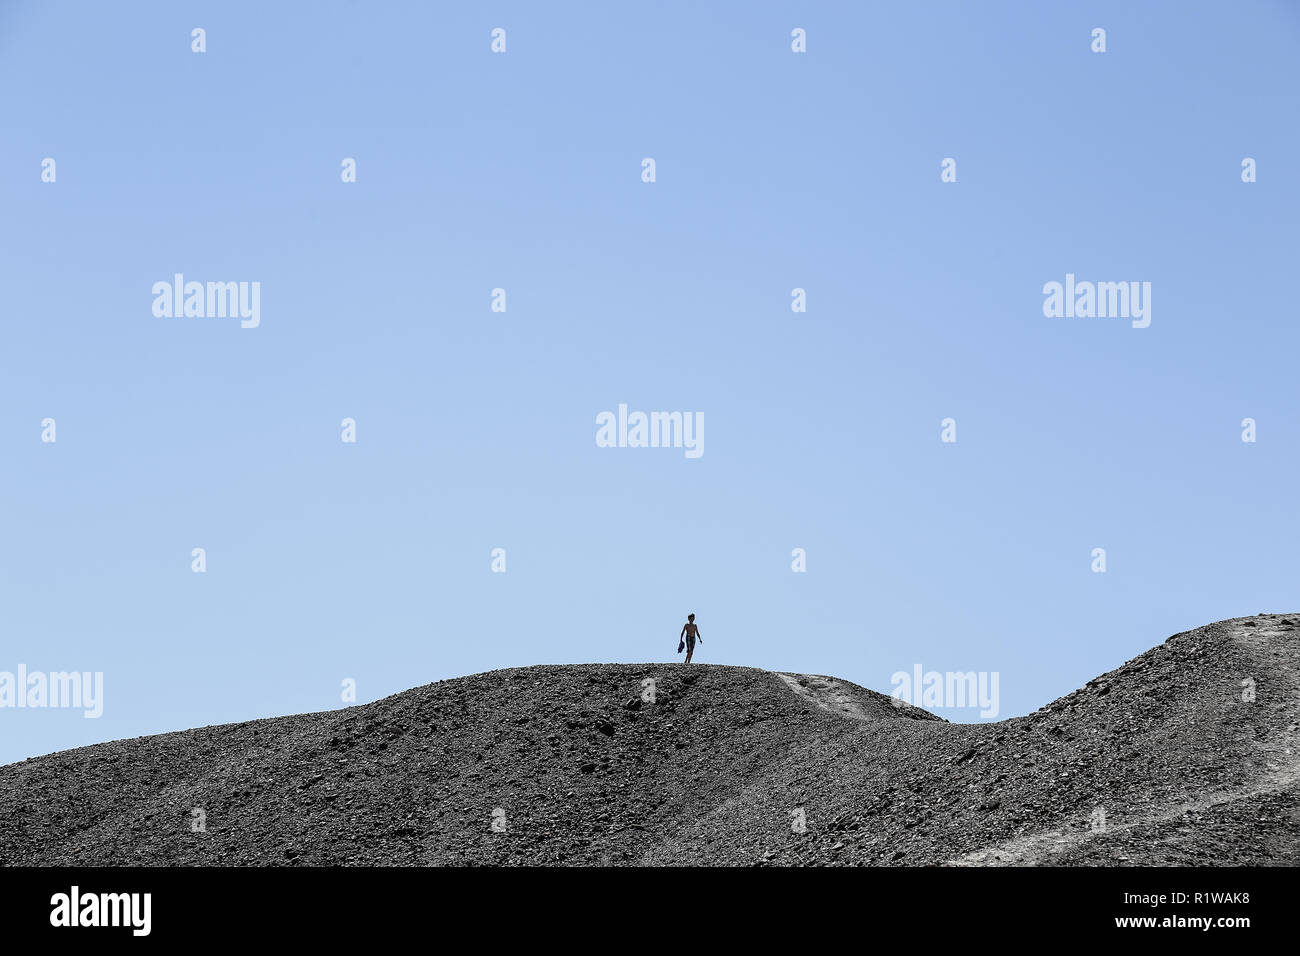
{"points": [[698, 637], [682, 635]]}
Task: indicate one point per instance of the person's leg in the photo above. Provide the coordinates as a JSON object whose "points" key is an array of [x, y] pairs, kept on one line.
{"points": [[690, 649]]}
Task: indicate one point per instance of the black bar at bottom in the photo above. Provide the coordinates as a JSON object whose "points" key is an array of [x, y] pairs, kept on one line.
{"points": [[302, 904]]}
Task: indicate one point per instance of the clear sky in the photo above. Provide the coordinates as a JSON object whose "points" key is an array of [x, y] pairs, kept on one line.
{"points": [[475, 429]]}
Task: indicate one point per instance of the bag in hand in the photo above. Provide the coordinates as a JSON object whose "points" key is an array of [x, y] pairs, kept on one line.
{"points": [[681, 646]]}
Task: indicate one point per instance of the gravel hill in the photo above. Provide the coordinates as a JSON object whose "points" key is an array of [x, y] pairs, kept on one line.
{"points": [[575, 765]]}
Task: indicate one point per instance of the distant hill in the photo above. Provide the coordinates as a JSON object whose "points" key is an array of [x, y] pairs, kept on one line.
{"points": [[572, 766]]}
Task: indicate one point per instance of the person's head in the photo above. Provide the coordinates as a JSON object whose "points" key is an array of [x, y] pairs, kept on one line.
{"points": [[690, 617]]}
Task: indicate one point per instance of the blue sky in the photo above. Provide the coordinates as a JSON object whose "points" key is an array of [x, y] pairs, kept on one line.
{"points": [[476, 429]]}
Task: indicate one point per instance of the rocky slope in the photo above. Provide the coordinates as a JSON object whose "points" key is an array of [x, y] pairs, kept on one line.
{"points": [[578, 765]]}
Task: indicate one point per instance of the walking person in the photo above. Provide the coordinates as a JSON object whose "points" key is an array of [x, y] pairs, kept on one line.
{"points": [[690, 634]]}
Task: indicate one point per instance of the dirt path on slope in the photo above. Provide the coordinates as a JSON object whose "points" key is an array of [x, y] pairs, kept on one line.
{"points": [[829, 694], [1279, 756]]}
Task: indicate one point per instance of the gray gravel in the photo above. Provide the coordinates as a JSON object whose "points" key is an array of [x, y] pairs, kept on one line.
{"points": [[571, 766]]}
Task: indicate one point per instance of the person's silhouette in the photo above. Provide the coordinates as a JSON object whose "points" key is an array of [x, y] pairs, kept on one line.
{"points": [[690, 634]]}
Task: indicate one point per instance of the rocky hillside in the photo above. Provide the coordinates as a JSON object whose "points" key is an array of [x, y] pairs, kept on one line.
{"points": [[663, 764]]}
